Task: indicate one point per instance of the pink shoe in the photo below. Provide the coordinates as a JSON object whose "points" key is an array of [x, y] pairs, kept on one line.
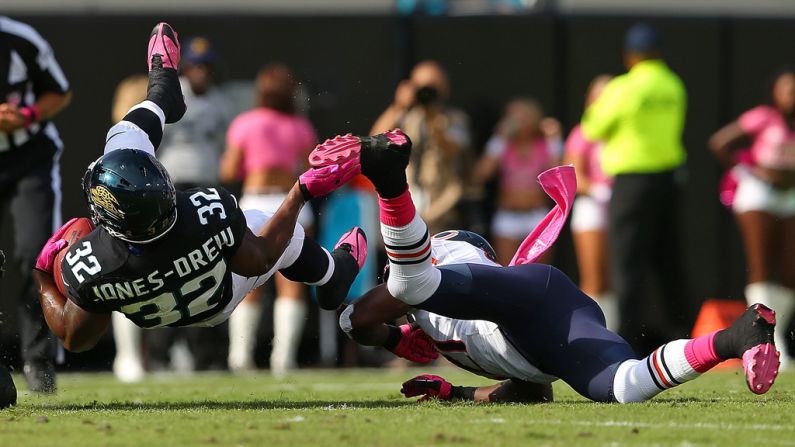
{"points": [[761, 362], [347, 147], [354, 241], [164, 42], [335, 151]]}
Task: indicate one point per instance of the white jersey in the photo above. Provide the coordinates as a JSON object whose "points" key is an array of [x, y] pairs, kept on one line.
{"points": [[475, 345]]}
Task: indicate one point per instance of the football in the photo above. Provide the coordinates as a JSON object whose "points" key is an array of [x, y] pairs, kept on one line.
{"points": [[76, 231]]}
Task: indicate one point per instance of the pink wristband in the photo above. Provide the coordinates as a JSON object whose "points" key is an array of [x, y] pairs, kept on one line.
{"points": [[31, 113]]}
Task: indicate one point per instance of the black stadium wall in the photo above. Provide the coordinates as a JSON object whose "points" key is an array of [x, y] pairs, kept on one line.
{"points": [[350, 66]]}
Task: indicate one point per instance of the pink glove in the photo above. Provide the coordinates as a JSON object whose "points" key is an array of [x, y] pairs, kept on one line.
{"points": [[429, 386], [321, 181], [415, 345], [51, 248]]}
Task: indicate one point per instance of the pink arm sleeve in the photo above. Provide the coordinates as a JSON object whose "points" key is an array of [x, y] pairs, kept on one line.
{"points": [[754, 120]]}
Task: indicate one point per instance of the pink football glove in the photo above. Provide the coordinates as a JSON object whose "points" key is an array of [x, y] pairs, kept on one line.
{"points": [[429, 386], [415, 345], [321, 181], [51, 248]]}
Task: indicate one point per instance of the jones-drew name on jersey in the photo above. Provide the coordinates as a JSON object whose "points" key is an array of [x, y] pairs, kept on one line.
{"points": [[180, 279], [182, 267]]}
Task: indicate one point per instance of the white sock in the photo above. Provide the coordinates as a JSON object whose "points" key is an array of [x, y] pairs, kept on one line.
{"points": [[412, 276], [152, 107], [665, 368], [243, 325], [128, 365], [609, 305], [289, 316], [780, 299]]}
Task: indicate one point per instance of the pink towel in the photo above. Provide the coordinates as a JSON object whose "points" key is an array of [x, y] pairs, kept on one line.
{"points": [[560, 184]]}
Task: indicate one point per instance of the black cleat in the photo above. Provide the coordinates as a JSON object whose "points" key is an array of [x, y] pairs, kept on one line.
{"points": [[750, 338], [8, 392]]}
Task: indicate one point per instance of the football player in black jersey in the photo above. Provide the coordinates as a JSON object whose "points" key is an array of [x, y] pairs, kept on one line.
{"points": [[168, 258]]}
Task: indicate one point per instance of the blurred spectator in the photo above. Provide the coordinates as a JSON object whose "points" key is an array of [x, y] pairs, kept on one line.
{"points": [[267, 148], [128, 364], [441, 158], [192, 147], [34, 90], [524, 145], [130, 91], [191, 151], [589, 214], [640, 117], [764, 199]]}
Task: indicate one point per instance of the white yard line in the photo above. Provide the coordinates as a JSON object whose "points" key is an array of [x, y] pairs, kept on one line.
{"points": [[638, 424]]}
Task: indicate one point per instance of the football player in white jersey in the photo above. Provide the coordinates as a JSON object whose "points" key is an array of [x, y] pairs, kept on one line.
{"points": [[542, 326]]}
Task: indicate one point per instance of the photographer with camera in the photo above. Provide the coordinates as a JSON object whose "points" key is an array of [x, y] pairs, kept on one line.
{"points": [[441, 159]]}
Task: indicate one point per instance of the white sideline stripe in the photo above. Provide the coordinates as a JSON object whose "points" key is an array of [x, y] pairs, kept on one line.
{"points": [[670, 425]]}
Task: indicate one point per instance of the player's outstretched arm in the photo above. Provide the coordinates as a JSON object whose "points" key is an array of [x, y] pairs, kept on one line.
{"points": [[366, 322], [512, 390], [77, 329], [259, 253]]}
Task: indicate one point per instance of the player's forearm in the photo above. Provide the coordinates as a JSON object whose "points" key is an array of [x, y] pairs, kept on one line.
{"points": [[54, 307], [51, 103], [514, 391], [52, 304], [275, 235], [372, 335]]}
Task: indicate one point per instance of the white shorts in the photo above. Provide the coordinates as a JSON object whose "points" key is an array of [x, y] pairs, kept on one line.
{"points": [[754, 194], [270, 202], [588, 214], [516, 224], [242, 285]]}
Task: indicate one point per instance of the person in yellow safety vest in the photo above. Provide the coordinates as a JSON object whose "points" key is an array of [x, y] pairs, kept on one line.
{"points": [[640, 117]]}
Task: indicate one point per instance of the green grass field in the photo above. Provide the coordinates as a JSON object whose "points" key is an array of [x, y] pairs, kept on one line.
{"points": [[363, 407]]}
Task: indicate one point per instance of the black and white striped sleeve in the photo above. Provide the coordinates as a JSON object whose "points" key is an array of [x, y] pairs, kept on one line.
{"points": [[44, 71]]}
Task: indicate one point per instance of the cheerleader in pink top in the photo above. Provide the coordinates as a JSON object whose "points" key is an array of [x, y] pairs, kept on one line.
{"points": [[764, 201], [525, 145], [589, 214], [267, 148]]}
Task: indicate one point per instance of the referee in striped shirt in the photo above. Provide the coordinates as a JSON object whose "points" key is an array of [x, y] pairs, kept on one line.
{"points": [[33, 89]]}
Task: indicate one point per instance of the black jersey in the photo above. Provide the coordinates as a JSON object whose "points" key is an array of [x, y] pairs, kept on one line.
{"points": [[180, 279]]}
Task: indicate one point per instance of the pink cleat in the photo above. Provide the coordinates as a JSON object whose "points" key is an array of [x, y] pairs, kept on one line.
{"points": [[354, 241], [336, 150], [347, 147], [348, 256], [164, 43], [761, 361]]}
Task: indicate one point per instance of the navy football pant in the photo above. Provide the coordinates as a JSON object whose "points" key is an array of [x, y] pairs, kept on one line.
{"points": [[543, 314]]}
